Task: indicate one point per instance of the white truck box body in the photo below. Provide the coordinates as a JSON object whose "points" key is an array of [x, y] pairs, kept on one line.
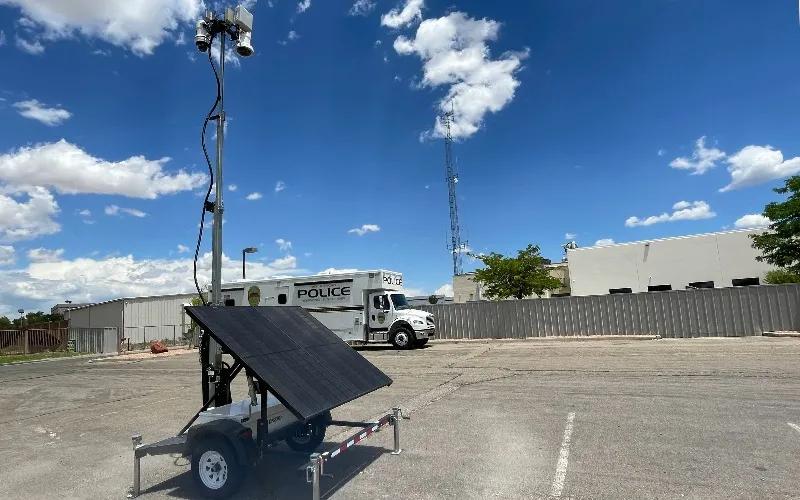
{"points": [[342, 302]]}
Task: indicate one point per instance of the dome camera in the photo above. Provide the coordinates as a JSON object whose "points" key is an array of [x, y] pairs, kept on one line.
{"points": [[202, 38], [243, 46]]}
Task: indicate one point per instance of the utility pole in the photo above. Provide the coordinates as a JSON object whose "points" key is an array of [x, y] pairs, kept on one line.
{"points": [[456, 245]]}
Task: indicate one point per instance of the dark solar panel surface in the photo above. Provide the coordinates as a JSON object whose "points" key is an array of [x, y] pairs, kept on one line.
{"points": [[306, 366]]}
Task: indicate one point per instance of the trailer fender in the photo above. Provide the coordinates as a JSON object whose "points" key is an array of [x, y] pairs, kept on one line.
{"points": [[239, 436]]}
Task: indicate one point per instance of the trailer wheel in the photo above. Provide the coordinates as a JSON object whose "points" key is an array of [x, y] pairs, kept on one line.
{"points": [[403, 338], [215, 469], [304, 440]]}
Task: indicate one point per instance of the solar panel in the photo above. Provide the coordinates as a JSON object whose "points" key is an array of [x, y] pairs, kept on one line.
{"points": [[304, 364]]}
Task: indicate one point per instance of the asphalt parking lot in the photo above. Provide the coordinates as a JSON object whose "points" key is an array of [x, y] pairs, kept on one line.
{"points": [[593, 419]]}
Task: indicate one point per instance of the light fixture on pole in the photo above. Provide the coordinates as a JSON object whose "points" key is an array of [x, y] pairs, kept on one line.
{"points": [[238, 24], [246, 251], [21, 317]]}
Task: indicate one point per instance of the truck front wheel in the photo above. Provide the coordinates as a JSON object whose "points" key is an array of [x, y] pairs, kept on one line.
{"points": [[215, 469], [306, 439], [403, 338]]}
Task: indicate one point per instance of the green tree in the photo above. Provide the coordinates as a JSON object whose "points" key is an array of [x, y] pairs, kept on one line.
{"points": [[5, 323], [519, 277], [781, 277], [781, 245], [433, 299]]}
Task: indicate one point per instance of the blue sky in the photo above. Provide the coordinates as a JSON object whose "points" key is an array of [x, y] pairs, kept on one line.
{"points": [[617, 120]]}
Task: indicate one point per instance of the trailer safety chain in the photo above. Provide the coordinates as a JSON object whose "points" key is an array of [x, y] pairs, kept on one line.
{"points": [[316, 466]]}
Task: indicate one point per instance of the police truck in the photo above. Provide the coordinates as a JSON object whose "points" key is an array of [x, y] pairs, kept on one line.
{"points": [[360, 307]]}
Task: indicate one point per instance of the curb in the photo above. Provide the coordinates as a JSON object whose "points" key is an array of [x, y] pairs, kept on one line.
{"points": [[115, 356], [77, 356], [781, 334], [556, 338], [90, 356]]}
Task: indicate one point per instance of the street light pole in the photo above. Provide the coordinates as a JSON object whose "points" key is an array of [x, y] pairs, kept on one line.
{"points": [[246, 251]]}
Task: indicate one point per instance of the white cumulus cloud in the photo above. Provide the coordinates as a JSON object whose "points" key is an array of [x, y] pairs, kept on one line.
{"points": [[254, 196], [570, 236], [446, 290], [361, 8], [115, 210], [280, 186], [366, 228], [45, 255], [702, 160], [183, 249], [410, 13], [683, 210], [71, 170], [90, 279], [283, 244], [755, 165], [303, 6], [24, 220], [454, 53], [232, 187], [137, 25], [751, 220], [31, 47], [604, 242], [35, 110], [7, 256]]}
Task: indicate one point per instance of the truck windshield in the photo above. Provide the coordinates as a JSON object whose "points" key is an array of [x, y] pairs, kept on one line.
{"points": [[399, 301]]}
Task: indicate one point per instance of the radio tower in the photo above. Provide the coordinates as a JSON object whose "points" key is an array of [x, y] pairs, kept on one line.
{"points": [[456, 245]]}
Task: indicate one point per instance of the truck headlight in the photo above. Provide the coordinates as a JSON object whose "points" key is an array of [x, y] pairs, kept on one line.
{"points": [[418, 322]]}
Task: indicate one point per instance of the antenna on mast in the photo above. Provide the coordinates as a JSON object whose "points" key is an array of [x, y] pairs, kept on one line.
{"points": [[456, 245]]}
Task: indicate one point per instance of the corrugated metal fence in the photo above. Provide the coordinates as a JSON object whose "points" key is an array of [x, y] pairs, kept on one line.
{"points": [[97, 340], [718, 312]]}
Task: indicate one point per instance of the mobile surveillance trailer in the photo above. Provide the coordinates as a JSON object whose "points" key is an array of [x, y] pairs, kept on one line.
{"points": [[360, 307], [297, 369], [297, 372]]}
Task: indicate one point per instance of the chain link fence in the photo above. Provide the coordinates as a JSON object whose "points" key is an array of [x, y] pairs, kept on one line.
{"points": [[140, 337]]}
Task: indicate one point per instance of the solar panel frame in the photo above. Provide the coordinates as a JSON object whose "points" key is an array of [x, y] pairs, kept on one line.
{"points": [[303, 363]]}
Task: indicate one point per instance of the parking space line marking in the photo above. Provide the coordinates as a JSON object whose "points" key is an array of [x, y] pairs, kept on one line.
{"points": [[794, 426], [563, 460]]}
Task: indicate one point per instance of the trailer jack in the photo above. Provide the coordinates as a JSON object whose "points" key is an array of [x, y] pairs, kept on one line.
{"points": [[315, 470]]}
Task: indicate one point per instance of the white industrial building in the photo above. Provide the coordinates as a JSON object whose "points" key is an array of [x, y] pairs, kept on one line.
{"points": [[139, 319], [714, 260]]}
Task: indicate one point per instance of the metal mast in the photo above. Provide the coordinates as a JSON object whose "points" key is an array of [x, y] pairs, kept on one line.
{"points": [[456, 245]]}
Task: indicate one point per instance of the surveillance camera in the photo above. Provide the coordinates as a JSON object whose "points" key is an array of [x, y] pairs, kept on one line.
{"points": [[243, 46], [202, 38]]}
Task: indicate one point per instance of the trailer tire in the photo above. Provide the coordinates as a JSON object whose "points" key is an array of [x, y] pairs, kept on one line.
{"points": [[215, 468], [402, 338], [304, 442]]}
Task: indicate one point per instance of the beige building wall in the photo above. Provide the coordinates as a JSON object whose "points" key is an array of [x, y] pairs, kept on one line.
{"points": [[466, 290], [677, 262]]}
